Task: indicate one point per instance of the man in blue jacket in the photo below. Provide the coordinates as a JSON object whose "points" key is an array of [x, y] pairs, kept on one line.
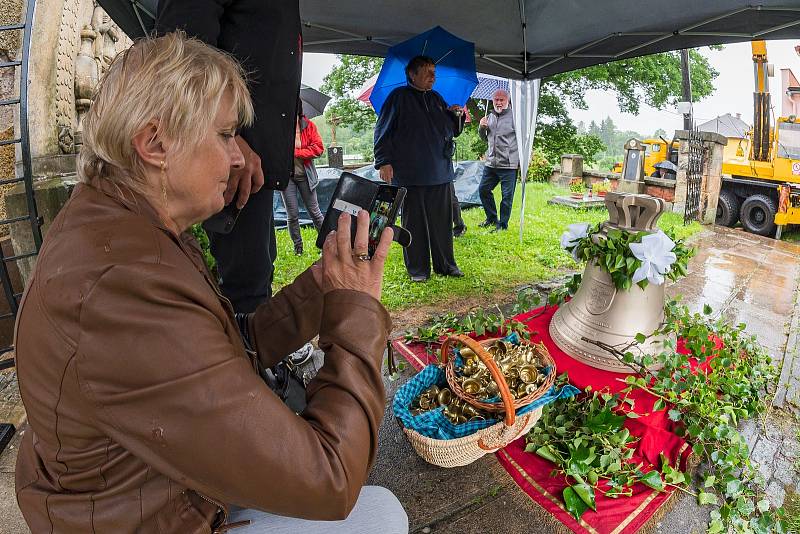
{"points": [[414, 146]]}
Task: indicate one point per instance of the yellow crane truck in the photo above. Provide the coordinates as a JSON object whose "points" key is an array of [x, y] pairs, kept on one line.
{"points": [[762, 189]]}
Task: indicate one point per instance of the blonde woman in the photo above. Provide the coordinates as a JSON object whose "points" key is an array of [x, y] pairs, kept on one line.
{"points": [[146, 410]]}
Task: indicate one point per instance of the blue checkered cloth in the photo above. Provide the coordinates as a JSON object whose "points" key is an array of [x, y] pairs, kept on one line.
{"points": [[434, 424]]}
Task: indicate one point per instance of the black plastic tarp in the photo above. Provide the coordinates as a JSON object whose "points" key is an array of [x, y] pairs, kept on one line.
{"points": [[525, 38], [468, 176]]}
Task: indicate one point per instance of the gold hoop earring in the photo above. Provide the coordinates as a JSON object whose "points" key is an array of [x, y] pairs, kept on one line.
{"points": [[164, 181]]}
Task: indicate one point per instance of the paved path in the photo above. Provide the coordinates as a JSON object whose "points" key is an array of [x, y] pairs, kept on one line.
{"points": [[744, 278]]}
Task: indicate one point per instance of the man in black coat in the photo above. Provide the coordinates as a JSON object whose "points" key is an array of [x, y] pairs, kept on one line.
{"points": [[414, 146], [265, 37]]}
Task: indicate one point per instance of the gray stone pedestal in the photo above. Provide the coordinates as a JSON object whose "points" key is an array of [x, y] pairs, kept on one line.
{"points": [[51, 194]]}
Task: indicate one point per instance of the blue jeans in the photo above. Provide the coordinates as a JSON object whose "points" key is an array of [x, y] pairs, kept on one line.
{"points": [[507, 178]]}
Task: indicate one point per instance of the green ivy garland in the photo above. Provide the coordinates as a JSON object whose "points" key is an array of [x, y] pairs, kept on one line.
{"points": [[613, 254], [707, 407]]}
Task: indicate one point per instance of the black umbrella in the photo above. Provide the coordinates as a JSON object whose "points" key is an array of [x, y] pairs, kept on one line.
{"points": [[314, 102]]}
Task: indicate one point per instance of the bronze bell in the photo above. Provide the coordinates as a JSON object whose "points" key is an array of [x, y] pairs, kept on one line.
{"points": [[601, 312]]}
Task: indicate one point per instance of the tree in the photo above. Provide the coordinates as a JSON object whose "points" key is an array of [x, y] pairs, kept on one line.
{"points": [[654, 80], [341, 83]]}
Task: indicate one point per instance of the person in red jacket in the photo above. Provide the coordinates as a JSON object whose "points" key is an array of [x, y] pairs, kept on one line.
{"points": [[307, 146]]}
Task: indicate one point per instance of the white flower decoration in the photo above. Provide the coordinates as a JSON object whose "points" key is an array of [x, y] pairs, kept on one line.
{"points": [[655, 252], [573, 235]]}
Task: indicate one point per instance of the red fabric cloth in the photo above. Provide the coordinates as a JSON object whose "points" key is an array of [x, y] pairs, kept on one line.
{"points": [[532, 473]]}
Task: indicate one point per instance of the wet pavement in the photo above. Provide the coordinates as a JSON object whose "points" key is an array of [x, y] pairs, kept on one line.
{"points": [[744, 278]]}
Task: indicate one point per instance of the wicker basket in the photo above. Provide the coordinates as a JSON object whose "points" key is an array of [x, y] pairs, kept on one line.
{"points": [[478, 348], [462, 451]]}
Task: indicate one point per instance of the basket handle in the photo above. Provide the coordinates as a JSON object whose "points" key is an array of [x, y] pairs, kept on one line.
{"points": [[486, 358]]}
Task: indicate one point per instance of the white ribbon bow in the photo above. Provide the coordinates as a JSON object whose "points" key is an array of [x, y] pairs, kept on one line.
{"points": [[655, 252], [573, 235]]}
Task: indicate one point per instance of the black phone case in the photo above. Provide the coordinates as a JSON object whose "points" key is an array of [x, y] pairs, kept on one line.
{"points": [[355, 191]]}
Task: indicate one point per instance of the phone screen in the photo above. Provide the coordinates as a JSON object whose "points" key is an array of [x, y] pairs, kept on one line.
{"points": [[378, 219]]}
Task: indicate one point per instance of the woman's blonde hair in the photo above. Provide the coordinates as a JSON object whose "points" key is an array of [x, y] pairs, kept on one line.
{"points": [[175, 81]]}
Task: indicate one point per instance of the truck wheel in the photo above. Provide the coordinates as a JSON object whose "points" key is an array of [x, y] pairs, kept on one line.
{"points": [[727, 209], [758, 215]]}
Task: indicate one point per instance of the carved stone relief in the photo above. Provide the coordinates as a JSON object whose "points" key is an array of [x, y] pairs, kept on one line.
{"points": [[88, 42]]}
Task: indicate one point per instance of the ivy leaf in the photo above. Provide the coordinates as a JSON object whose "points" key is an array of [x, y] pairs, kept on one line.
{"points": [[575, 504], [632, 415], [707, 309], [640, 338], [659, 405], [547, 454], [674, 415], [715, 527], [706, 498], [653, 480], [586, 493], [709, 481], [675, 477], [733, 488], [762, 505]]}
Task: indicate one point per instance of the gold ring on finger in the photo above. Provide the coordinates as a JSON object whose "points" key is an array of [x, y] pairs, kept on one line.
{"points": [[361, 256]]}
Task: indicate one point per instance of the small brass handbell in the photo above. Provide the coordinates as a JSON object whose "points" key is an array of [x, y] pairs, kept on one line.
{"points": [[512, 373], [522, 390], [467, 354], [471, 386], [424, 402], [528, 373], [530, 388], [492, 390], [469, 411], [444, 397]]}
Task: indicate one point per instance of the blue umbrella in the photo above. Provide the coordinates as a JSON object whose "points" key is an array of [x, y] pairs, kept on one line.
{"points": [[455, 66]]}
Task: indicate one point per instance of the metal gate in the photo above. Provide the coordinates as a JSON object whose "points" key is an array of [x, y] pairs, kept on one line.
{"points": [[694, 177], [12, 290]]}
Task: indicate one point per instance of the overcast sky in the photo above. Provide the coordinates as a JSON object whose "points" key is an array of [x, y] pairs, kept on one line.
{"points": [[733, 94]]}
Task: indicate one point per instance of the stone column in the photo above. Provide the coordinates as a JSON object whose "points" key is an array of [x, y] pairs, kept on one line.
{"points": [[712, 177], [679, 203]]}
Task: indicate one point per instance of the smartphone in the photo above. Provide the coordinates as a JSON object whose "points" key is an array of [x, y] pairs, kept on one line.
{"points": [[224, 221]]}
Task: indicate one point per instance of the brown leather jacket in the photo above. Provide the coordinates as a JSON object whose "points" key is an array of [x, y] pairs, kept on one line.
{"points": [[145, 411]]}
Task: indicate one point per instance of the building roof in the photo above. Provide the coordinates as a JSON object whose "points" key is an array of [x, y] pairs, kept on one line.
{"points": [[726, 125]]}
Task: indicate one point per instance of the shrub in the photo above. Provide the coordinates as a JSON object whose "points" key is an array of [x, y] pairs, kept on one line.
{"points": [[540, 169]]}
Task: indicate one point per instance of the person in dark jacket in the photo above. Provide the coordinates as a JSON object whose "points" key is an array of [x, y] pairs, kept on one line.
{"points": [[502, 161], [265, 37], [414, 146], [307, 146]]}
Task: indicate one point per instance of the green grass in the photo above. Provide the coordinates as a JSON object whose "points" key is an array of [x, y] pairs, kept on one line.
{"points": [[491, 262]]}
